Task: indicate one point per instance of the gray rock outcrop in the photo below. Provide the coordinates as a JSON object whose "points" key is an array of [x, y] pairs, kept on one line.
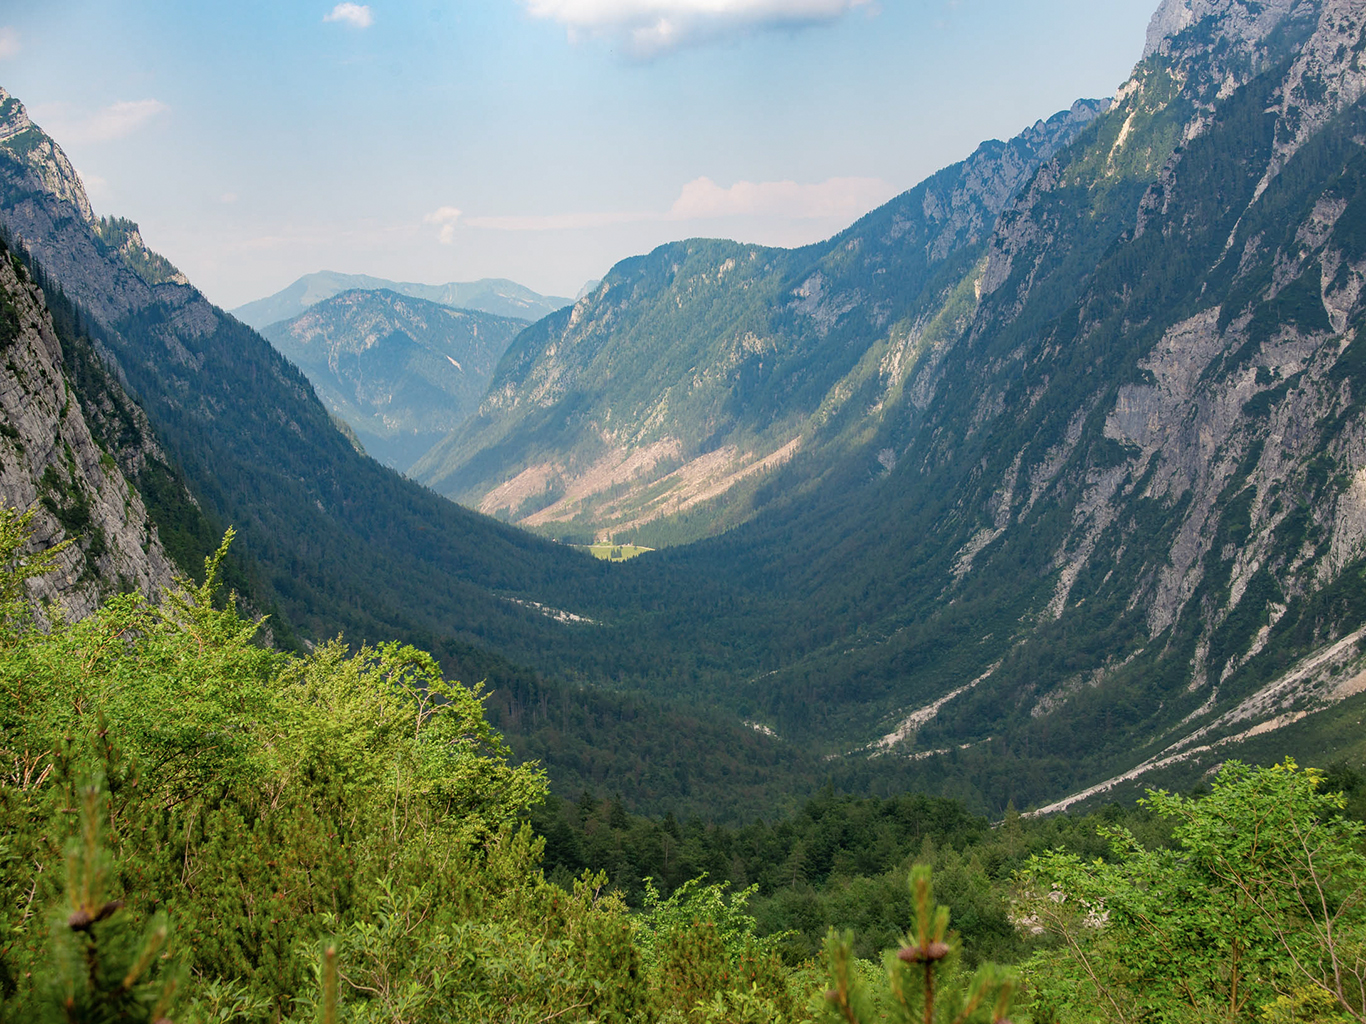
{"points": [[49, 462]]}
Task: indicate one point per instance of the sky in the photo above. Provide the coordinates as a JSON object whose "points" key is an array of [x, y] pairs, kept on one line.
{"points": [[255, 141]]}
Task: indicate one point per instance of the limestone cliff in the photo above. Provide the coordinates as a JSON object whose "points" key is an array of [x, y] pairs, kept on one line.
{"points": [[50, 462]]}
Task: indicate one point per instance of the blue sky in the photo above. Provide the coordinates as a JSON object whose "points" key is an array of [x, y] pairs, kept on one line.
{"points": [[541, 140]]}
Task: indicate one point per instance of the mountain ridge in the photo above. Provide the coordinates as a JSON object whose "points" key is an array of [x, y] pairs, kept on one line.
{"points": [[495, 295], [400, 372], [728, 368]]}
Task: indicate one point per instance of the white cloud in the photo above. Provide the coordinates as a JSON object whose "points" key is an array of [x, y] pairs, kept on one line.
{"points": [[123, 118], [358, 15], [849, 198], [649, 27], [841, 200], [9, 42], [446, 216], [113, 122], [228, 198], [95, 186]]}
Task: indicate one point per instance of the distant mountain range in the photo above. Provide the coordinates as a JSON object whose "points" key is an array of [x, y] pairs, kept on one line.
{"points": [[489, 295], [400, 372]]}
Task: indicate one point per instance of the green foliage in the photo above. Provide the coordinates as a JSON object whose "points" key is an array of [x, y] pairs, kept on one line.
{"points": [[924, 981], [1256, 914], [102, 967], [835, 862], [705, 960], [19, 563]]}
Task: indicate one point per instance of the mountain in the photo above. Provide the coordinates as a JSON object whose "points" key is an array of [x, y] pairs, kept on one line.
{"points": [[400, 372], [688, 375], [53, 463], [1089, 504], [221, 430], [489, 295], [1082, 503]]}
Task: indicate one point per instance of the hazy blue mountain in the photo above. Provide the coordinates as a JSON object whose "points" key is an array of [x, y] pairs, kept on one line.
{"points": [[400, 372], [489, 295]]}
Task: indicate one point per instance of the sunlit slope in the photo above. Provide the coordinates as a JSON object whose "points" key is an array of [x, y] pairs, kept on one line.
{"points": [[692, 373]]}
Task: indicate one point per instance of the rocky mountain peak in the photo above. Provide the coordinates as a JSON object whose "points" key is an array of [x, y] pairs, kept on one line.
{"points": [[1241, 22], [27, 143]]}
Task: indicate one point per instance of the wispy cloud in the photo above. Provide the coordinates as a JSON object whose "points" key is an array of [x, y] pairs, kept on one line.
{"points": [[703, 199], [446, 217], [843, 199], [358, 15], [95, 186], [9, 42], [112, 122], [651, 27], [559, 221], [123, 118]]}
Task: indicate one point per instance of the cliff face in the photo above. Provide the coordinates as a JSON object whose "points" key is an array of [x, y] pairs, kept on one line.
{"points": [[50, 461]]}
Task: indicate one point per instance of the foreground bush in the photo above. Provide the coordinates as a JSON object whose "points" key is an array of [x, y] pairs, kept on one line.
{"points": [[254, 803], [1255, 914]]}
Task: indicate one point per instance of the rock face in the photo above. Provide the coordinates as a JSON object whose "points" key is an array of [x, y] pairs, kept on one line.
{"points": [[400, 372], [687, 376], [50, 462]]}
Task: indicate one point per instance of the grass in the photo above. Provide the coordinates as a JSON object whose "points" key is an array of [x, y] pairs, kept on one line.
{"points": [[615, 552]]}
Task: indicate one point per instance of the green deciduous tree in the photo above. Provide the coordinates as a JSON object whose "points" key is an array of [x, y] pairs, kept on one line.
{"points": [[1256, 912]]}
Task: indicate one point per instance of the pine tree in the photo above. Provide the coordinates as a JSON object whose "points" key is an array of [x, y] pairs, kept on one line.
{"points": [[925, 983], [104, 968]]}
